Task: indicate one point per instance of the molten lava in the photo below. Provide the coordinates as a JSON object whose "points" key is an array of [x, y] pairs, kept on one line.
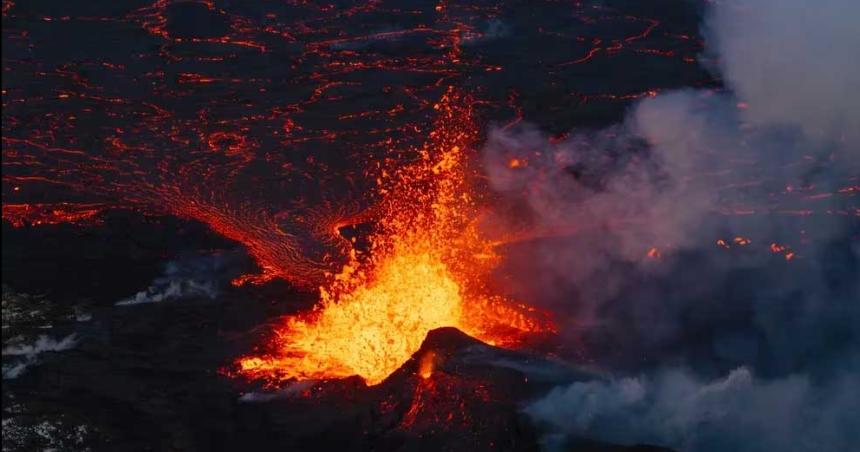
{"points": [[425, 270]]}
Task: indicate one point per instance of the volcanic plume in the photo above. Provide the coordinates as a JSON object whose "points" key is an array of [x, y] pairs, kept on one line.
{"points": [[706, 249]]}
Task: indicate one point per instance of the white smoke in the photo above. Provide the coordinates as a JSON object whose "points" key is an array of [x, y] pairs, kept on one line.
{"points": [[165, 289], [667, 178], [190, 277], [793, 62], [738, 413], [683, 158], [25, 355], [291, 390]]}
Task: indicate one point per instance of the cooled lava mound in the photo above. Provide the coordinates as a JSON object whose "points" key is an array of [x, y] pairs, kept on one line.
{"points": [[455, 393]]}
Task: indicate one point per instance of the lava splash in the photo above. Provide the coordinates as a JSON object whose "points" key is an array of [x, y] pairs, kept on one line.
{"points": [[425, 268]]}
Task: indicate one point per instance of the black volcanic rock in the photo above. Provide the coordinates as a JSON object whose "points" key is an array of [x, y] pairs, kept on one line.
{"points": [[471, 400], [195, 20], [147, 377], [144, 378]]}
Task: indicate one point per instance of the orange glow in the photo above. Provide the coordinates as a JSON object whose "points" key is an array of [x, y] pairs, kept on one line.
{"points": [[425, 270], [742, 241], [516, 163], [427, 365], [20, 215], [785, 250]]}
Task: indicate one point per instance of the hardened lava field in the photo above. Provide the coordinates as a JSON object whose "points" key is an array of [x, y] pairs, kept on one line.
{"points": [[297, 225]]}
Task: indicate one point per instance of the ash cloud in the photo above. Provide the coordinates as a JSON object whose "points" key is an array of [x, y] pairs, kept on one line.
{"points": [[728, 346]]}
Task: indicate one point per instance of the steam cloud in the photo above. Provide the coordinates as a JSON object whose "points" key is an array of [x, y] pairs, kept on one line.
{"points": [[733, 413], [202, 276], [755, 353], [28, 354]]}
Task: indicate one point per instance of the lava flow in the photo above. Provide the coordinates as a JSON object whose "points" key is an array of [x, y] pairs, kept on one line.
{"points": [[424, 270]]}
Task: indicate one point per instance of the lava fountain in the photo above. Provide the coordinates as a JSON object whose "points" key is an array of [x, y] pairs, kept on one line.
{"points": [[425, 268]]}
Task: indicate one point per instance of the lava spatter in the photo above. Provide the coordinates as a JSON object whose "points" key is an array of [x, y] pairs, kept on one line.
{"points": [[425, 269]]}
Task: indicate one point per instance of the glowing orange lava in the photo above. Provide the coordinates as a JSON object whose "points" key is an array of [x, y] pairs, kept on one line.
{"points": [[425, 270]]}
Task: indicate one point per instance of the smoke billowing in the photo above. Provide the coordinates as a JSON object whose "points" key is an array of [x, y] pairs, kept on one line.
{"points": [[794, 62], [200, 276], [707, 247], [734, 413], [19, 356]]}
